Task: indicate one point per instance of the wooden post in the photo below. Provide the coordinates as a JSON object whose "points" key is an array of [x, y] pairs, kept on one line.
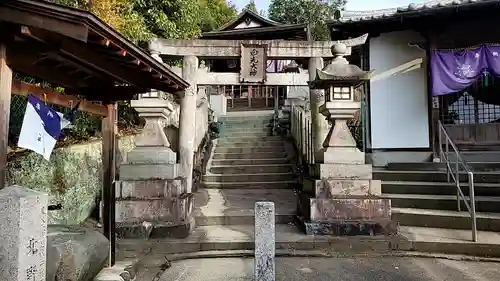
{"points": [[5, 92], [108, 179]]}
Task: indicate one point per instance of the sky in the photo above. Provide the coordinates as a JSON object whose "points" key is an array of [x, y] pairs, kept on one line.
{"points": [[353, 5]]}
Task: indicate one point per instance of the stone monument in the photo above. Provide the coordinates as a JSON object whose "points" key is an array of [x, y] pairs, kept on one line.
{"points": [[340, 197], [264, 265], [23, 234], [151, 196]]}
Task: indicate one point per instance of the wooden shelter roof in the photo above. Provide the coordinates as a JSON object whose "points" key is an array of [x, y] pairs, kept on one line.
{"points": [[76, 50], [268, 29]]}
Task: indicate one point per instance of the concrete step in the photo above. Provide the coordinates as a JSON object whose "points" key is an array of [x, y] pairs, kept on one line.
{"points": [[250, 138], [264, 177], [430, 166], [237, 206], [249, 169], [432, 176], [260, 155], [477, 156], [438, 188], [441, 202], [249, 150], [445, 219], [291, 184], [264, 161]]}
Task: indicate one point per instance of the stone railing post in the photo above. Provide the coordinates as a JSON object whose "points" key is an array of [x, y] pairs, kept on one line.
{"points": [[317, 98]]}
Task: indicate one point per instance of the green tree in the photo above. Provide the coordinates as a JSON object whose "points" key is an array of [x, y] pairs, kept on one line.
{"points": [[313, 12], [251, 6], [215, 13]]}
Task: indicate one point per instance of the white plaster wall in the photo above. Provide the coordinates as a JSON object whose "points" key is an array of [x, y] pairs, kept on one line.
{"points": [[398, 101], [245, 25]]}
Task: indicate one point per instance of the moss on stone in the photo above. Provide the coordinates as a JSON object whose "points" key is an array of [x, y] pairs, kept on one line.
{"points": [[72, 178]]}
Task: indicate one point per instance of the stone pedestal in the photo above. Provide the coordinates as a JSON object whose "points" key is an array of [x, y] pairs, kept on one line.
{"points": [[340, 197], [23, 234], [151, 196]]}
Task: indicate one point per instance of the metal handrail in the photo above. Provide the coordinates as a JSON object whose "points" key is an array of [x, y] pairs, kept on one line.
{"points": [[456, 175]]}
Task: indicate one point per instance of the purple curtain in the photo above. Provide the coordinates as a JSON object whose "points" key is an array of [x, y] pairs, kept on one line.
{"points": [[454, 70]]}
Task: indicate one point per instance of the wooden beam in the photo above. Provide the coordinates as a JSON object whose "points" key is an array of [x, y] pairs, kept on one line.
{"points": [[53, 97], [72, 29], [5, 86], [108, 178], [22, 60]]}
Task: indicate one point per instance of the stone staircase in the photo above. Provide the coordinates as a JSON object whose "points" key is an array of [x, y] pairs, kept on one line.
{"points": [[247, 165], [421, 196]]}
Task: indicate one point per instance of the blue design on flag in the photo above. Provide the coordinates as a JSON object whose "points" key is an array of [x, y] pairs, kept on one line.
{"points": [[41, 127]]}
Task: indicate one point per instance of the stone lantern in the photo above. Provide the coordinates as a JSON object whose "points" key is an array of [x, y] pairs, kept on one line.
{"points": [[339, 79], [340, 197]]}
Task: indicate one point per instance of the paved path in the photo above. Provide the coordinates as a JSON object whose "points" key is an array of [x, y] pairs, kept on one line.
{"points": [[333, 269]]}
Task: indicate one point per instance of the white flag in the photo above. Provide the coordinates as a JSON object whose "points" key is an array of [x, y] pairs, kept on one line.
{"points": [[41, 127]]}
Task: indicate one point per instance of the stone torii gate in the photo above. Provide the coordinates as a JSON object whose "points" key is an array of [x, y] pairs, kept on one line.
{"points": [[193, 50]]}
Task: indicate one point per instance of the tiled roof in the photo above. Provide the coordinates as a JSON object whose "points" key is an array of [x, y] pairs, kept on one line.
{"points": [[357, 16]]}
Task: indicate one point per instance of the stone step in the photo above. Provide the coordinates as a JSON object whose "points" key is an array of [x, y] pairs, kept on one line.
{"points": [[249, 150], [431, 166], [238, 129], [432, 176], [249, 138], [260, 155], [239, 220], [236, 143], [264, 161], [246, 123], [249, 169], [445, 219], [485, 204], [241, 237], [291, 184], [223, 238], [244, 134], [264, 177], [438, 188], [236, 206]]}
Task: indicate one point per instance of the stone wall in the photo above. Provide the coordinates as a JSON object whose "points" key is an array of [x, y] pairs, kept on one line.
{"points": [[72, 178]]}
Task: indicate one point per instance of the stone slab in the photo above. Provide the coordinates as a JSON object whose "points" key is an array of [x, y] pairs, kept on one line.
{"points": [[148, 171], [348, 209], [343, 155], [151, 155], [343, 171], [23, 234], [343, 228], [265, 241], [155, 230], [143, 189], [175, 210], [338, 188]]}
